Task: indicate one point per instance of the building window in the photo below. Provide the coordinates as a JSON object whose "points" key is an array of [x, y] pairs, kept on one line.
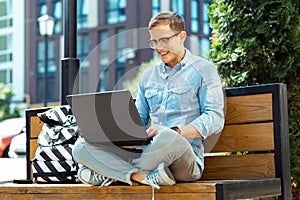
{"points": [[41, 70], [115, 11], [121, 44], [57, 14], [82, 14], [6, 52], [103, 84], [178, 7], [103, 50], [194, 16], [155, 7], [104, 62], [83, 50], [205, 19], [6, 19], [51, 58], [42, 7], [121, 60], [6, 76], [82, 54]]}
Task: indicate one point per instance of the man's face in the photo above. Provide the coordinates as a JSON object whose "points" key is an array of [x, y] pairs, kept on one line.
{"points": [[168, 44]]}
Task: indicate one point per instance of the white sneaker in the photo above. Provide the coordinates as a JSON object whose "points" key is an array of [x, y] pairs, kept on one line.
{"points": [[160, 176], [88, 176]]}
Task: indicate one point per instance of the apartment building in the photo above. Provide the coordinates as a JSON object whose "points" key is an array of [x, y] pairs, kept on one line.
{"points": [[111, 42], [12, 46]]}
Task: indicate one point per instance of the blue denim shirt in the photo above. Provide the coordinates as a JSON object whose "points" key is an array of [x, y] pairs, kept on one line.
{"points": [[190, 93]]}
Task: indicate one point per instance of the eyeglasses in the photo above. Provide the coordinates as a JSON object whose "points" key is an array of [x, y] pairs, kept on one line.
{"points": [[164, 41]]}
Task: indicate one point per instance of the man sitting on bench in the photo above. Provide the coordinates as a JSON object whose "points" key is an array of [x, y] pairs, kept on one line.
{"points": [[182, 96]]}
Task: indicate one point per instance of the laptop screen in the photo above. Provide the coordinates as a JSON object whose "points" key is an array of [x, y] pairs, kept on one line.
{"points": [[108, 117]]}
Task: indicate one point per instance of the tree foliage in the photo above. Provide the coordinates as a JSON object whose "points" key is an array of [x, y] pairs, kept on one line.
{"points": [[257, 42], [132, 84], [6, 95]]}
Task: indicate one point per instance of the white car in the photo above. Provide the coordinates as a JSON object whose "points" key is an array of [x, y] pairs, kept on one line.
{"points": [[9, 128], [17, 147]]}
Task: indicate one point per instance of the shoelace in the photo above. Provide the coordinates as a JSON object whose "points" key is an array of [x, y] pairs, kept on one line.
{"points": [[153, 186], [153, 181], [105, 181], [152, 193]]}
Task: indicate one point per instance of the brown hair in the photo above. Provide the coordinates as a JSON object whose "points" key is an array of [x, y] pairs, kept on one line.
{"points": [[174, 20]]}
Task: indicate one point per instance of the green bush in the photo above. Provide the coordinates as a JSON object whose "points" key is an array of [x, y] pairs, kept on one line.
{"points": [[257, 42], [6, 95]]}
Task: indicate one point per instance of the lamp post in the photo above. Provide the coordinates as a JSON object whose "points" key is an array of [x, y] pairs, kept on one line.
{"points": [[46, 25], [69, 63]]}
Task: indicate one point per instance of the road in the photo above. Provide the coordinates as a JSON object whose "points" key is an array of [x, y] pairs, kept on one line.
{"points": [[12, 168]]}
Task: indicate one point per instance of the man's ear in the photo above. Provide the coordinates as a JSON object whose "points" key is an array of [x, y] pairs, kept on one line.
{"points": [[182, 36]]}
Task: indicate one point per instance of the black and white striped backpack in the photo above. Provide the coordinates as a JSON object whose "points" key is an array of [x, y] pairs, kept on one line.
{"points": [[53, 162]]}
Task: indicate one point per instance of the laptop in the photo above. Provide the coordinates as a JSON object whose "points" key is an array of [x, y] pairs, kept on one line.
{"points": [[108, 118]]}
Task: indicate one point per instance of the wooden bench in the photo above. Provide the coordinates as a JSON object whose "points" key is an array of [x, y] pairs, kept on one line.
{"points": [[250, 159]]}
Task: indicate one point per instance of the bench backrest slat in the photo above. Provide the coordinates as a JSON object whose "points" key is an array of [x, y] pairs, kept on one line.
{"points": [[35, 126], [239, 166], [248, 108], [35, 129], [246, 137]]}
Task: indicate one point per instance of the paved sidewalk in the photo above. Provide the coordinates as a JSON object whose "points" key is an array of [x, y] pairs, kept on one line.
{"points": [[12, 168]]}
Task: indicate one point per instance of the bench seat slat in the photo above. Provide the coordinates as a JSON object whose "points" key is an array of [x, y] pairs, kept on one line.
{"points": [[204, 190], [239, 166], [248, 108], [198, 186], [195, 190], [118, 196]]}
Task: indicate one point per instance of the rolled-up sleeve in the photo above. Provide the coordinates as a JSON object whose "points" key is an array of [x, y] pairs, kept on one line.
{"points": [[211, 102]]}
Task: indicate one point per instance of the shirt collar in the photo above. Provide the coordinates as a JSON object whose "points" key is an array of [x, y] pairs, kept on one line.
{"points": [[165, 69], [186, 58]]}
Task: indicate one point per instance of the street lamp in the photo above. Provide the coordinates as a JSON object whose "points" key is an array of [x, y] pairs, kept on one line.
{"points": [[46, 25]]}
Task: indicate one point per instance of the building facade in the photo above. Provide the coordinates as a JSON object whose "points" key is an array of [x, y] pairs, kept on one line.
{"points": [[12, 46], [111, 42]]}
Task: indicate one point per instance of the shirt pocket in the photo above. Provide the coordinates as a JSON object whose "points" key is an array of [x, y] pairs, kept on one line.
{"points": [[154, 98], [182, 97]]}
